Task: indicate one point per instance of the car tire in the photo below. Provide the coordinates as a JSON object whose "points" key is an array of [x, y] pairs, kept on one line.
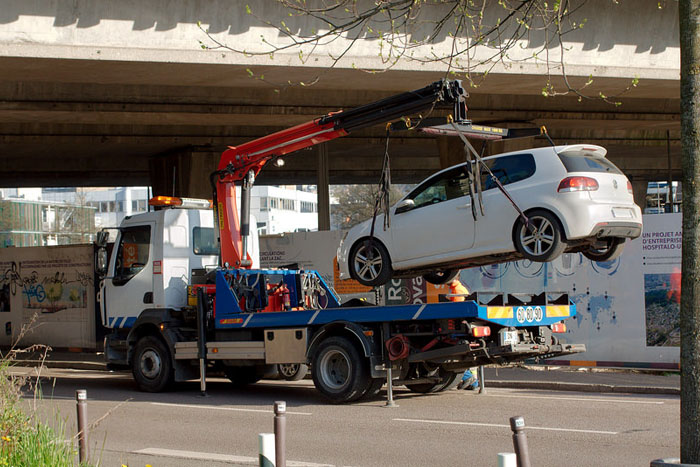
{"points": [[340, 373], [543, 245], [370, 269], [442, 276], [292, 371], [612, 250], [152, 366]]}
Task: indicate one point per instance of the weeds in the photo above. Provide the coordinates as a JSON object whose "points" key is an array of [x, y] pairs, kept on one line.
{"points": [[26, 441]]}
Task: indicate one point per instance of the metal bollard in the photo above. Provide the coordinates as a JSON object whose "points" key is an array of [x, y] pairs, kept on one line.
{"points": [[280, 433], [389, 389], [507, 459], [266, 449], [482, 380], [517, 424], [81, 400]]}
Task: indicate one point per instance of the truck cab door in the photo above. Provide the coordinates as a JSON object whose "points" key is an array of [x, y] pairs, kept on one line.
{"points": [[128, 287]]}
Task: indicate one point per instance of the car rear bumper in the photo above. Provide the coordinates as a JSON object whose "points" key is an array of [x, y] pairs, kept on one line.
{"points": [[617, 229], [592, 220]]}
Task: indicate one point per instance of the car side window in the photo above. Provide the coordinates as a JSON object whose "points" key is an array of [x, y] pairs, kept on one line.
{"points": [[132, 253], [449, 185], [508, 169]]}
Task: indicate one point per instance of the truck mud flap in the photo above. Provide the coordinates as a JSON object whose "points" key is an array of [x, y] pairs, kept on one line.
{"points": [[463, 356]]}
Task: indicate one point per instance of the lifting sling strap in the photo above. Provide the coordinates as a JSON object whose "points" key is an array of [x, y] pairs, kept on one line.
{"points": [[496, 181]]}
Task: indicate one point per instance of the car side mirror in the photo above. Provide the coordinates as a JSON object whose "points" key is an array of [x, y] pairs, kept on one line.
{"points": [[405, 205]]}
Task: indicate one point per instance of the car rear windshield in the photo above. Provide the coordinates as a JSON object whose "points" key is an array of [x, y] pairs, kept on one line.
{"points": [[582, 162]]}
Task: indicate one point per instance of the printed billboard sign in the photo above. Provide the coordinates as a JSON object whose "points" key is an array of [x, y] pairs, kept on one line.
{"points": [[51, 292]]}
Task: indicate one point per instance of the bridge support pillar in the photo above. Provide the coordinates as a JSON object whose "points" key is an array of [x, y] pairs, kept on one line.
{"points": [[184, 173]]}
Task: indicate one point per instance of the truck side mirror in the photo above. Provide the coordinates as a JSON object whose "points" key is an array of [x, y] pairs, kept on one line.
{"points": [[101, 261], [405, 205], [102, 238]]}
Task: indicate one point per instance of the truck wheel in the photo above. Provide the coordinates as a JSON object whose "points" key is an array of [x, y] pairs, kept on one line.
{"points": [[445, 379], [609, 249], [339, 371], [374, 388], [543, 244], [370, 266], [292, 371], [151, 366], [441, 276], [242, 375]]}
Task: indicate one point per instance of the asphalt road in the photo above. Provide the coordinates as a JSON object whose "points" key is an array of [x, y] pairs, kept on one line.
{"points": [[181, 428]]}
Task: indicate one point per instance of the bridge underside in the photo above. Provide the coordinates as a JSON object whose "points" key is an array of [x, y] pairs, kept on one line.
{"points": [[106, 123]]}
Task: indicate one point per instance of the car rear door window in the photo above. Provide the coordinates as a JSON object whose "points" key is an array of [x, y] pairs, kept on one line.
{"points": [[582, 162], [508, 169]]}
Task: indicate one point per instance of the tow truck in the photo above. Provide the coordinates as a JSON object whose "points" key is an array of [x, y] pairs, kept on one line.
{"points": [[184, 297]]}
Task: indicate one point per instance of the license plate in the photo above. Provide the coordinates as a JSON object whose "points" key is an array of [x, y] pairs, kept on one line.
{"points": [[622, 213], [508, 337]]}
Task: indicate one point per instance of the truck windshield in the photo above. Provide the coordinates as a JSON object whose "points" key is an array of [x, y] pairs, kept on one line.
{"points": [[204, 242]]}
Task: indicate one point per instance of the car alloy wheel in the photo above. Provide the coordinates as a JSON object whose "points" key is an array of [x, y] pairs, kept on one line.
{"points": [[541, 239], [370, 263], [537, 239]]}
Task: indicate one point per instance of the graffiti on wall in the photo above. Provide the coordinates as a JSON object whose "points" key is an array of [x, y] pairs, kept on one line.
{"points": [[50, 290]]}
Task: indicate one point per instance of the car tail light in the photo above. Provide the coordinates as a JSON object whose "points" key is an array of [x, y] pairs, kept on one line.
{"points": [[481, 331], [558, 327], [629, 187], [578, 184]]}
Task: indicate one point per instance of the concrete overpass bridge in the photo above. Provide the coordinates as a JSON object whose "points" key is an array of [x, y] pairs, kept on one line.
{"points": [[95, 92]]}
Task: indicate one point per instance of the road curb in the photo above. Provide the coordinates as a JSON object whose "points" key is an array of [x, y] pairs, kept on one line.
{"points": [[583, 387]]}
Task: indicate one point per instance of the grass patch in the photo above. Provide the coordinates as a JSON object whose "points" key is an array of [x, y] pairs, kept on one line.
{"points": [[25, 440]]}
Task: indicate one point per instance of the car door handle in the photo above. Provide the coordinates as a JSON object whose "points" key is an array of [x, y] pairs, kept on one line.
{"points": [[464, 206]]}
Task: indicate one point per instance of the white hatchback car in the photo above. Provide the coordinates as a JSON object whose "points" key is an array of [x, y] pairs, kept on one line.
{"points": [[574, 198]]}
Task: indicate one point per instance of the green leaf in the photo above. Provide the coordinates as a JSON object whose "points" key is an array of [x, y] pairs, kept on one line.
{"points": [[247, 9]]}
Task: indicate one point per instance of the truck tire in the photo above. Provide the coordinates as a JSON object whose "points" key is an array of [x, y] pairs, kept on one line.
{"points": [[243, 375], [292, 371], [445, 380], [340, 372], [152, 365], [374, 388]]}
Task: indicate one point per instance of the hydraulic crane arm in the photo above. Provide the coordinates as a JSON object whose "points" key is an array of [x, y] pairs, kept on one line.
{"points": [[244, 162]]}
